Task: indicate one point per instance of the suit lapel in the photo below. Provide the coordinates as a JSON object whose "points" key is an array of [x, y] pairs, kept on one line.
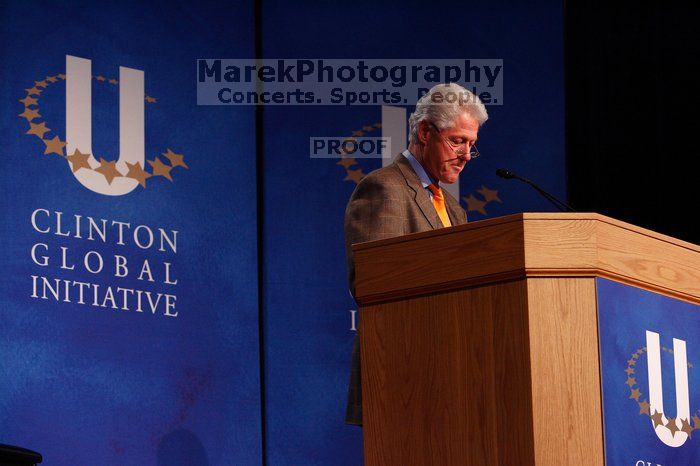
{"points": [[420, 195], [453, 211]]}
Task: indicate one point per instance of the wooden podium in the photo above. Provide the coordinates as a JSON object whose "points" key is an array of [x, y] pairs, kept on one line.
{"points": [[479, 343]]}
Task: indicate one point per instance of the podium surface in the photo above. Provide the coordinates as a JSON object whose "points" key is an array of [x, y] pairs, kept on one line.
{"points": [[484, 344]]}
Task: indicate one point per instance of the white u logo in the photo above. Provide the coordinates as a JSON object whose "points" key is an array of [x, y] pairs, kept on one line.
{"points": [[79, 124], [656, 399]]}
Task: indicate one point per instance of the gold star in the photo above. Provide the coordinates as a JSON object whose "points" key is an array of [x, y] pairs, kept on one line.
{"points": [[377, 125], [630, 381], [54, 146], [657, 418], [635, 356], [685, 427], [51, 79], [631, 362], [354, 175], [108, 169], [27, 101], [347, 162], [672, 426], [368, 128], [635, 394], [475, 204], [78, 160], [40, 84], [640, 351], [176, 160], [150, 99], [489, 194], [29, 114], [160, 169], [113, 81], [138, 173], [38, 130], [61, 76], [99, 77], [644, 407], [357, 133], [629, 371], [696, 422], [33, 91]]}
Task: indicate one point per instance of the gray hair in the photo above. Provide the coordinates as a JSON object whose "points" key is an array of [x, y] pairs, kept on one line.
{"points": [[443, 104]]}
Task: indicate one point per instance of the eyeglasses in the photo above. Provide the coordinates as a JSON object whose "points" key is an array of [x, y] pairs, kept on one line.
{"points": [[461, 149]]}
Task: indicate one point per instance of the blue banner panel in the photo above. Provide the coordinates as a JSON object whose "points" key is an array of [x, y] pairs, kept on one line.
{"points": [[129, 320], [309, 316], [649, 351]]}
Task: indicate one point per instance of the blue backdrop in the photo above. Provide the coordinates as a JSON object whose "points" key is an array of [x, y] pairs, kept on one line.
{"points": [[88, 384]]}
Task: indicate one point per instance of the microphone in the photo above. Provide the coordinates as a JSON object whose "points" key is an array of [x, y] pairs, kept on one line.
{"points": [[503, 173], [509, 175]]}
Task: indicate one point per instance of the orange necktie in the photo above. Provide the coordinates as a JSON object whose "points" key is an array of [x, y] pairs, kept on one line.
{"points": [[439, 203]]}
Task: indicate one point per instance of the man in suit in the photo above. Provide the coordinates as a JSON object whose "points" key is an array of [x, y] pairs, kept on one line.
{"points": [[405, 197]]}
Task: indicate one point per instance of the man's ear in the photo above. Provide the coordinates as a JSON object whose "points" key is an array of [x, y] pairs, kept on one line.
{"points": [[423, 130]]}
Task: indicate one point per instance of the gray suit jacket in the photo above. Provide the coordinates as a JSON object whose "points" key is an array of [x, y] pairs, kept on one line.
{"points": [[388, 202]]}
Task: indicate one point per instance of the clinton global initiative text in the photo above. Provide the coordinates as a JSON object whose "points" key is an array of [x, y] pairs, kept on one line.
{"points": [[87, 254]]}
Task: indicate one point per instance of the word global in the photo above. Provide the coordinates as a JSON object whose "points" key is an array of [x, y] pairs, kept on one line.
{"points": [[94, 263]]}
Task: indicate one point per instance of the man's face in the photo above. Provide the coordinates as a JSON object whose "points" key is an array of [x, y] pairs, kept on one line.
{"points": [[439, 157]]}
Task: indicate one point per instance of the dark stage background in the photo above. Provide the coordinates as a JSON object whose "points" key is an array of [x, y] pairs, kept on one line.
{"points": [[632, 112]]}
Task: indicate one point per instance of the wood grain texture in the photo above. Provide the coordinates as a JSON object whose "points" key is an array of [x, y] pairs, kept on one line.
{"points": [[527, 245], [565, 371], [484, 249], [663, 265], [448, 379]]}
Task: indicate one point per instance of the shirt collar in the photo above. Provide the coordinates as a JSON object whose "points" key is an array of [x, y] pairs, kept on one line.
{"points": [[425, 179]]}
